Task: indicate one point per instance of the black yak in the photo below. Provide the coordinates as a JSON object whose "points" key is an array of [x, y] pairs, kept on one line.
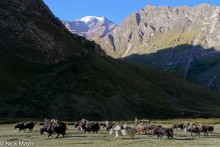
{"points": [[25, 125], [59, 128]]}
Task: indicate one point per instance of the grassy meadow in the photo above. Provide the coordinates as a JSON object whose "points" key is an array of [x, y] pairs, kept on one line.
{"points": [[78, 138]]}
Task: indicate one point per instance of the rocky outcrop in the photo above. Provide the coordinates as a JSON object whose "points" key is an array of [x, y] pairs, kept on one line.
{"points": [[155, 28], [164, 37]]}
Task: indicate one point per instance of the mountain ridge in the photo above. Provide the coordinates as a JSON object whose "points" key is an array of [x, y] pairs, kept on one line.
{"points": [[153, 29]]}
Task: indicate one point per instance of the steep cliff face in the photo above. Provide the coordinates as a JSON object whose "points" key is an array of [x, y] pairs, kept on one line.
{"points": [[169, 38], [155, 28], [91, 27]]}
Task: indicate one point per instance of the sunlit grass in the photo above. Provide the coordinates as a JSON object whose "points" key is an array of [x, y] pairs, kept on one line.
{"points": [[78, 138]]}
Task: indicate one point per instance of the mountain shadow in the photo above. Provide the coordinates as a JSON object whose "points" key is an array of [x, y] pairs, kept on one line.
{"points": [[193, 63]]}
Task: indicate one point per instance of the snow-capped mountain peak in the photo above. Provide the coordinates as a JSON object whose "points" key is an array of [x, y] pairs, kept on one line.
{"points": [[90, 18], [91, 27]]}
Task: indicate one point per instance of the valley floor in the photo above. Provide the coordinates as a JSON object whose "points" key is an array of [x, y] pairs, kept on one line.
{"points": [[77, 138]]}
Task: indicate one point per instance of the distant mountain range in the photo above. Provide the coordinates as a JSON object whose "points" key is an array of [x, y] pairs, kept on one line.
{"points": [[184, 41], [91, 27], [48, 72]]}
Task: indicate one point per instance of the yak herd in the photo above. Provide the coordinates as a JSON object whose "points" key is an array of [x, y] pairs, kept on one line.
{"points": [[144, 126]]}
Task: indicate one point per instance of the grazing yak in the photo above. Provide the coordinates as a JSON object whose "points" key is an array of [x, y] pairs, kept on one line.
{"points": [[151, 129], [181, 125], [207, 128], [80, 123], [178, 125], [94, 127], [161, 131], [25, 125], [87, 126], [141, 129], [110, 126], [54, 127], [105, 124], [193, 129], [123, 131]]}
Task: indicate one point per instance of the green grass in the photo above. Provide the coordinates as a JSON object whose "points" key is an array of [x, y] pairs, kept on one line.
{"points": [[77, 138]]}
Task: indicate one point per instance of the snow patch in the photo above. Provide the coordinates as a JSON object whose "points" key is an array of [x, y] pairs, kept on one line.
{"points": [[90, 18]]}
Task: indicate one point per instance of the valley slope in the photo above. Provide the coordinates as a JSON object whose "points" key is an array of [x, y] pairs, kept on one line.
{"points": [[50, 73]]}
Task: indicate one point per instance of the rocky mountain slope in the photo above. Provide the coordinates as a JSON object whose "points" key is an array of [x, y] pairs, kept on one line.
{"points": [[183, 40], [66, 76], [91, 27]]}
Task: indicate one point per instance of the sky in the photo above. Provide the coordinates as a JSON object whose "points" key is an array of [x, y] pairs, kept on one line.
{"points": [[114, 10]]}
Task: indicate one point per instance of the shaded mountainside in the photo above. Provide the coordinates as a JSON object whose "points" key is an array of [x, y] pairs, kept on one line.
{"points": [[29, 29], [86, 84], [98, 87], [171, 38], [202, 66]]}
